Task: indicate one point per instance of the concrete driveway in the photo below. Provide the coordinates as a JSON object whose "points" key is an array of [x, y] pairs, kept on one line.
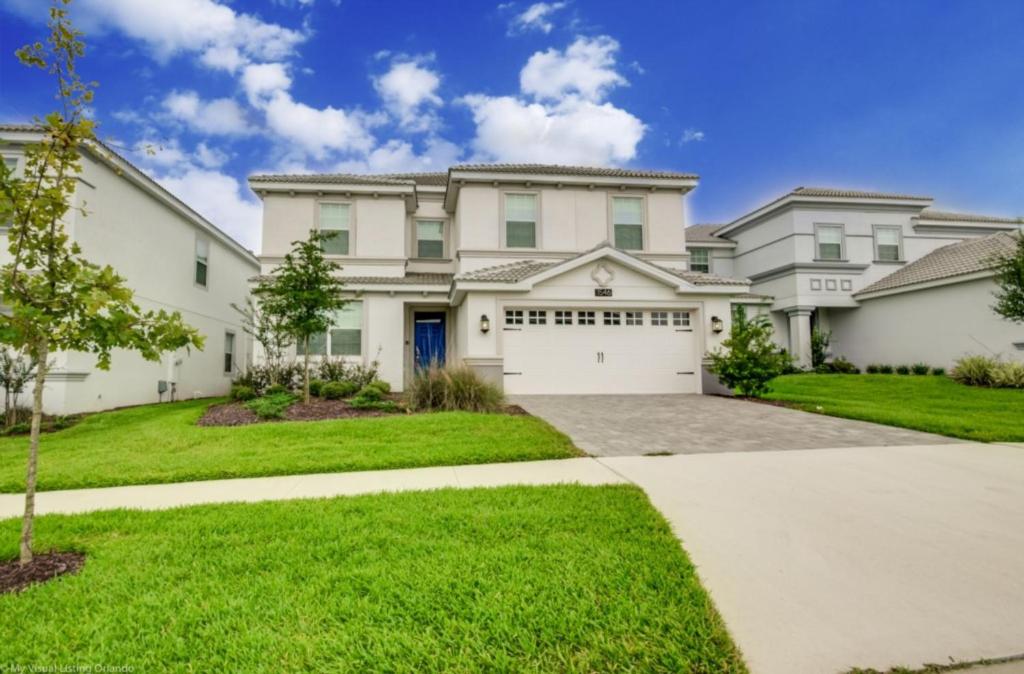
{"points": [[628, 425], [821, 561]]}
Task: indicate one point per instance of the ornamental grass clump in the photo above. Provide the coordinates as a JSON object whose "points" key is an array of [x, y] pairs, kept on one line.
{"points": [[1008, 375], [974, 370], [450, 388]]}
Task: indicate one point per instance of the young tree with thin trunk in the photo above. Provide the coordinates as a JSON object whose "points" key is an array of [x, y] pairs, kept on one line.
{"points": [[271, 333], [57, 300], [1010, 279], [303, 294]]}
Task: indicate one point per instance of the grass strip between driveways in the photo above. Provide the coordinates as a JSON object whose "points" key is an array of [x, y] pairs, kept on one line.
{"points": [[515, 579], [162, 443], [928, 403]]}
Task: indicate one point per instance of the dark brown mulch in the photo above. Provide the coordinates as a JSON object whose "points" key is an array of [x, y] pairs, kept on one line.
{"points": [[14, 577], [318, 409], [515, 411]]}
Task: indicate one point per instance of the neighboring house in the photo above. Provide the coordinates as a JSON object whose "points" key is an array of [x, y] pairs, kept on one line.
{"points": [[545, 279], [885, 273], [172, 258]]}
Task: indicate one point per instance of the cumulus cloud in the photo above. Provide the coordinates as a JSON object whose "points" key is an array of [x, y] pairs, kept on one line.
{"points": [[317, 130], [210, 157], [577, 132], [409, 91], [398, 156], [220, 116], [219, 198], [262, 80], [535, 17], [586, 68]]}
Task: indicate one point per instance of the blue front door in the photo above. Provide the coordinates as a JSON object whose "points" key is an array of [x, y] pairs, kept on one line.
{"points": [[429, 338]]}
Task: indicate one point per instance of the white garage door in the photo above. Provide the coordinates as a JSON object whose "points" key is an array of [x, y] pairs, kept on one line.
{"points": [[599, 351]]}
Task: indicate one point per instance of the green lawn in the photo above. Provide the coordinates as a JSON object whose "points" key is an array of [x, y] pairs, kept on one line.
{"points": [[518, 579], [924, 403], [161, 443]]}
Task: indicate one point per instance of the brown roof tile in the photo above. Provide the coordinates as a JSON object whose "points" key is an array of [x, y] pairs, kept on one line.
{"points": [[557, 169], [705, 233]]}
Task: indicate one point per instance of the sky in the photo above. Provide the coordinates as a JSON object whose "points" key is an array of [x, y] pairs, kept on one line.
{"points": [[757, 97]]}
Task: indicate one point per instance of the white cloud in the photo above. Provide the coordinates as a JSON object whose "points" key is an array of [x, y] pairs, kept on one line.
{"points": [[160, 153], [210, 157], [409, 90], [220, 116], [397, 156], [574, 132], [692, 136], [586, 68], [170, 27], [262, 80], [318, 131], [220, 199], [536, 17]]}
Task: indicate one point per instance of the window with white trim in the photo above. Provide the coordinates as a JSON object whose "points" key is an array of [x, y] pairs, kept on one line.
{"points": [[612, 318], [628, 222], [700, 260], [430, 238], [829, 239], [229, 352], [659, 318], [537, 317], [634, 318], [563, 318], [520, 220], [345, 336], [888, 243], [681, 319], [585, 318], [336, 223], [513, 317], [202, 261]]}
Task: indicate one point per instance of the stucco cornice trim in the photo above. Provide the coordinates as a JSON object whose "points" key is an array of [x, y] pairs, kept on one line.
{"points": [[795, 267]]}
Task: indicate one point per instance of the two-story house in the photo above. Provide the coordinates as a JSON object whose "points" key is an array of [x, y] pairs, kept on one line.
{"points": [[893, 279], [545, 279], [171, 257]]}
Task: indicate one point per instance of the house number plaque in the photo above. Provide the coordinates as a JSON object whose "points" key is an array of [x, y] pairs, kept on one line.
{"points": [[602, 292]]}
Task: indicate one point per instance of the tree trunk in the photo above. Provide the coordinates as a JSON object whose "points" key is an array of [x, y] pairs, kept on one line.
{"points": [[33, 455], [305, 363]]}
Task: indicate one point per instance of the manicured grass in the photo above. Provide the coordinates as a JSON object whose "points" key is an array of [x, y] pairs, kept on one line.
{"points": [[519, 579], [161, 443], [924, 403]]}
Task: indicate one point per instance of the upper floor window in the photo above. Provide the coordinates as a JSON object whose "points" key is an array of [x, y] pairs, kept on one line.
{"points": [[344, 338], [335, 221], [628, 222], [829, 240], [520, 220], [429, 238], [202, 261], [700, 260], [888, 242]]}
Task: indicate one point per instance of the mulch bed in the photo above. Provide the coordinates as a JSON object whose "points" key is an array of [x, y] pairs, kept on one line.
{"points": [[318, 409], [14, 577]]}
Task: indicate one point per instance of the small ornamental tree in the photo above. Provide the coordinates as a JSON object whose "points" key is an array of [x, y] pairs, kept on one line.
{"points": [[820, 340], [1010, 279], [302, 294], [56, 299], [750, 359], [271, 333]]}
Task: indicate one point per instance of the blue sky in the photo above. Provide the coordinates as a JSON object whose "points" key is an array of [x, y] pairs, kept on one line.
{"points": [[920, 96]]}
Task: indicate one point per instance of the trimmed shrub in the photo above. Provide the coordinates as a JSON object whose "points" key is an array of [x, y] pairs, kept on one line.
{"points": [[384, 387], [938, 371], [242, 392], [1008, 374], [748, 359], [919, 368], [974, 370], [452, 387], [336, 390], [885, 369], [314, 387], [902, 369], [842, 366], [370, 393], [259, 377], [873, 369], [276, 389], [339, 369], [271, 406]]}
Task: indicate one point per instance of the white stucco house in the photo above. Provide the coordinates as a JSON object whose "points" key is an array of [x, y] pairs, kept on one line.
{"points": [[172, 258], [894, 280]]}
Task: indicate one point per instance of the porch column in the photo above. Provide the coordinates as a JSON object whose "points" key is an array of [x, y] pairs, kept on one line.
{"points": [[800, 335]]}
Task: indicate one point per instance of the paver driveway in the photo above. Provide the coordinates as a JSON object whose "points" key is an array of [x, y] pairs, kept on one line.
{"points": [[629, 425]]}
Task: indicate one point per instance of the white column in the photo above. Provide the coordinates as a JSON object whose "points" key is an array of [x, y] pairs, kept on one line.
{"points": [[800, 335]]}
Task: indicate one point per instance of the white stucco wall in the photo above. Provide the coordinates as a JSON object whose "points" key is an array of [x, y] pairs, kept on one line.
{"points": [[934, 326]]}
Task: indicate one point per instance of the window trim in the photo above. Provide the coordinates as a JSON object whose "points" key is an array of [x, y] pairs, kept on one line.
{"points": [[234, 343], [414, 250], [327, 336], [842, 242], [538, 228], [899, 243], [351, 224], [645, 214], [706, 250], [514, 317], [195, 260]]}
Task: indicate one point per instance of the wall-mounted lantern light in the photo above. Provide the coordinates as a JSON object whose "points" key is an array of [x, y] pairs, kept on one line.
{"points": [[717, 324], [485, 324]]}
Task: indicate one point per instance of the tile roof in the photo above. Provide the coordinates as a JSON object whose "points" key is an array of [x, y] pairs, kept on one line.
{"points": [[833, 193], [557, 169], [512, 272], [956, 259], [411, 278], [332, 178], [700, 279], [706, 233], [930, 214]]}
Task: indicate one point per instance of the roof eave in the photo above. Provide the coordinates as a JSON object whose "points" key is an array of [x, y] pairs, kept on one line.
{"points": [[791, 200], [867, 294]]}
